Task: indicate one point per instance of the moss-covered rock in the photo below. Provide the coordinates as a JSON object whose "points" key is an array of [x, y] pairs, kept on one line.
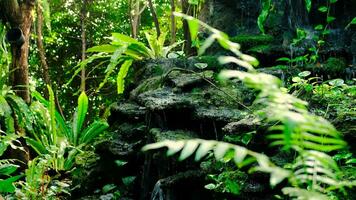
{"points": [[219, 114], [249, 41], [163, 99], [159, 135], [185, 80]]}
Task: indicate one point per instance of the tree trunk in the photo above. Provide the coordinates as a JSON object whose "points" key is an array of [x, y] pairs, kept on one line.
{"points": [[19, 16], [188, 49], [41, 50], [20, 53], [173, 22], [84, 48], [155, 18]]}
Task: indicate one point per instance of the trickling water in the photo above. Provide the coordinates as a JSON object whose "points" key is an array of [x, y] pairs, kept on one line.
{"points": [[157, 193], [283, 78]]}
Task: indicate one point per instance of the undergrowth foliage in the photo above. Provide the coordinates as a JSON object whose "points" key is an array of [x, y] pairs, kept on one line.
{"points": [[313, 173]]}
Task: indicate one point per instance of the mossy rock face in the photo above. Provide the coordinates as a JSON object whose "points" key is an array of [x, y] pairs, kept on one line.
{"points": [[147, 85], [190, 80], [219, 114], [163, 99], [159, 135], [249, 41]]}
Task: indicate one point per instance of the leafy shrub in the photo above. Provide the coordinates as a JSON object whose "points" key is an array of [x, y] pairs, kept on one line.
{"points": [[53, 136]]}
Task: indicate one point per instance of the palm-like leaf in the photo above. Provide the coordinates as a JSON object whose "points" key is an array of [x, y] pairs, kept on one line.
{"points": [[79, 117]]}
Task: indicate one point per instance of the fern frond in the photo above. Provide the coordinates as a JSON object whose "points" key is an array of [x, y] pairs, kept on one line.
{"points": [[303, 194], [201, 148], [316, 169], [297, 128]]}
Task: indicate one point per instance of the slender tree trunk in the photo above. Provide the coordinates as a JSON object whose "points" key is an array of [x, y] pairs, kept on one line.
{"points": [[173, 22], [84, 48], [188, 49], [135, 17], [40, 46], [155, 18], [135, 11]]}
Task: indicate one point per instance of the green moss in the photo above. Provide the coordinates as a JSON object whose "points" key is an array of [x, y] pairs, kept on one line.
{"points": [[149, 84], [261, 49], [212, 61], [158, 135], [248, 41], [334, 65]]}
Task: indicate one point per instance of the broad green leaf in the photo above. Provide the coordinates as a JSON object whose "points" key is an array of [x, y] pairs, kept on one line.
{"points": [[323, 9], [193, 27], [308, 4], [79, 117], [128, 180], [23, 113], [109, 187], [121, 38], [106, 48], [52, 110], [194, 2], [210, 186], [7, 185], [319, 27], [120, 163], [94, 130], [330, 19], [266, 4], [62, 126], [337, 82], [284, 59], [8, 169], [201, 65], [353, 21], [124, 69], [37, 146], [351, 161], [115, 59], [6, 112], [304, 73]]}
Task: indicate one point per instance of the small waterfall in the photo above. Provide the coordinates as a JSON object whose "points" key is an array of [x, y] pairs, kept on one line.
{"points": [[157, 193], [297, 14]]}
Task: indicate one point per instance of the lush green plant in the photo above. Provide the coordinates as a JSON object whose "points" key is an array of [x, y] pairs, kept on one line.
{"points": [[266, 6], [13, 107], [39, 184], [123, 50], [313, 173], [54, 137], [7, 168]]}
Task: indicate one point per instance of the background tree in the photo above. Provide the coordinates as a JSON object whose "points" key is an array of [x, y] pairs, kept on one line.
{"points": [[19, 16]]}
